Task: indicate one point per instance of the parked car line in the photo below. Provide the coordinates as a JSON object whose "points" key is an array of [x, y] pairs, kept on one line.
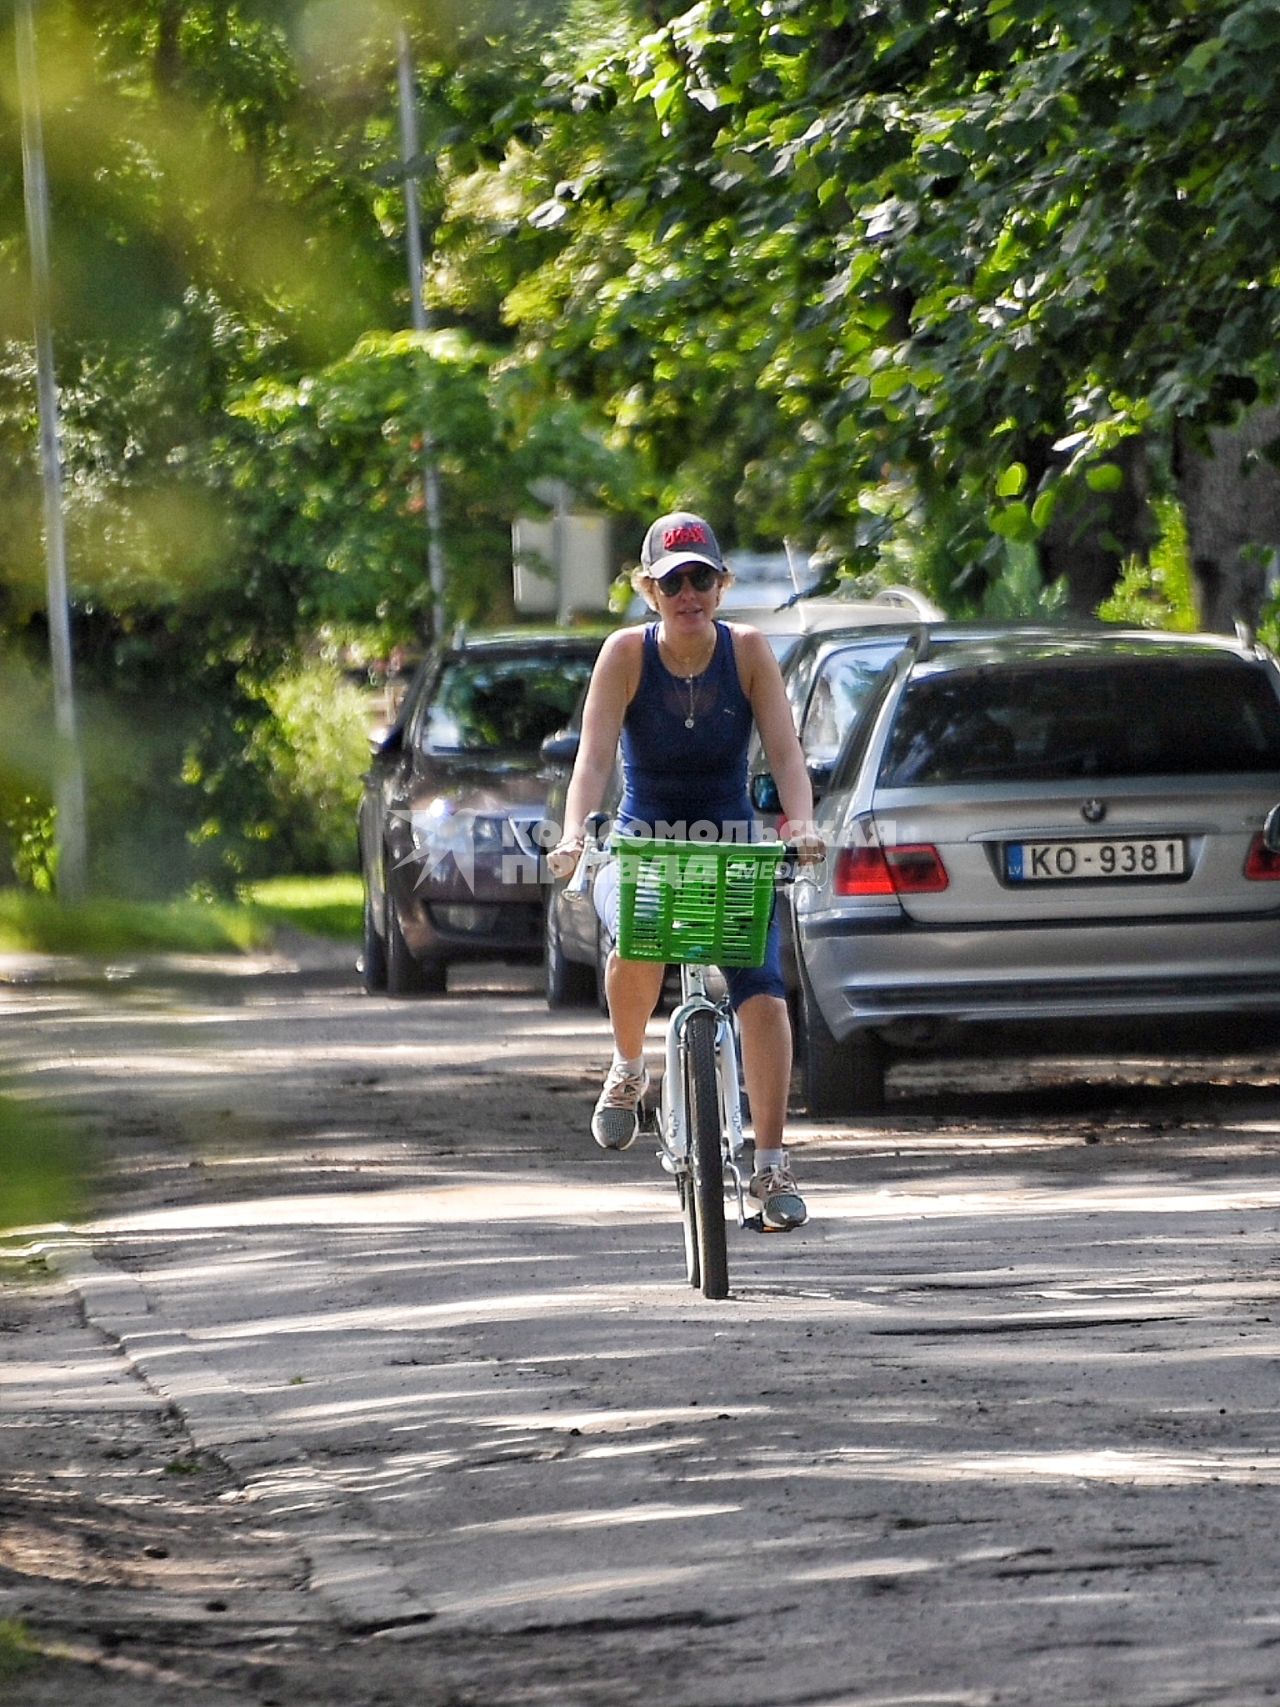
{"points": [[450, 822], [1038, 826]]}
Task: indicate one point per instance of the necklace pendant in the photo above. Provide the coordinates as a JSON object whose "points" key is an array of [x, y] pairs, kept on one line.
{"points": [[688, 722]]}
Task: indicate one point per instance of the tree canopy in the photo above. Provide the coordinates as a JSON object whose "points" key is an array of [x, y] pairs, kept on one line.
{"points": [[977, 243], [908, 279]]}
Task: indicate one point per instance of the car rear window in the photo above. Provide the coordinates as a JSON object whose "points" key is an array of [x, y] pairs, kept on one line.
{"points": [[1063, 720], [842, 687], [502, 705]]}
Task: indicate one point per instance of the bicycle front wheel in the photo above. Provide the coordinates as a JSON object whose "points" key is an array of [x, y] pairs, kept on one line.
{"points": [[702, 1110], [689, 1220]]}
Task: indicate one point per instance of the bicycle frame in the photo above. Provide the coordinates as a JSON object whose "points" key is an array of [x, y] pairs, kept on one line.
{"points": [[673, 1132], [699, 1122]]}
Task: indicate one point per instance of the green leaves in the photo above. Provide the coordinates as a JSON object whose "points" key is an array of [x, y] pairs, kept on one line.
{"points": [[1012, 481], [1104, 477], [945, 249], [877, 278], [338, 460]]}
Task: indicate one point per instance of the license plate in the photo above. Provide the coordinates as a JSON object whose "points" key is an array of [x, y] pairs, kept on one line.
{"points": [[1130, 860]]}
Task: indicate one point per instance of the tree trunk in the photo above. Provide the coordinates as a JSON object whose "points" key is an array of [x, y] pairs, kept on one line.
{"points": [[1230, 491], [167, 58], [1092, 533]]}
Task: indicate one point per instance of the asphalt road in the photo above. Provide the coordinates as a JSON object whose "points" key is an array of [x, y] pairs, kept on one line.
{"points": [[998, 1426]]}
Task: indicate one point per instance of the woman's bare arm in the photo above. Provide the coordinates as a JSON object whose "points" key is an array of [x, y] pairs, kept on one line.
{"points": [[613, 683]]}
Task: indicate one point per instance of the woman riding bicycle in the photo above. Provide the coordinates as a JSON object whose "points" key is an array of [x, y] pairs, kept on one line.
{"points": [[682, 694]]}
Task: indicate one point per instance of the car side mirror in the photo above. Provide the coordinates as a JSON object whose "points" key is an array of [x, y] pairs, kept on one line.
{"points": [[820, 775], [764, 793], [386, 740], [1271, 831], [560, 749]]}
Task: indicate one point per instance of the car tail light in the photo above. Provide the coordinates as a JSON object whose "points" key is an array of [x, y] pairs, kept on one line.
{"points": [[1260, 863], [912, 869]]}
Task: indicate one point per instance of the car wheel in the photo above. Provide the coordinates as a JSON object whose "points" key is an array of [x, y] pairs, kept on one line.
{"points": [[406, 975], [568, 984], [838, 1078], [373, 952]]}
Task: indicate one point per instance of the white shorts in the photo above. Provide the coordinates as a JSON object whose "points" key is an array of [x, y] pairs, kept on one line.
{"points": [[607, 895]]}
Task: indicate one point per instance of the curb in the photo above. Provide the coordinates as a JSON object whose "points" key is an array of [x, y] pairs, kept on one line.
{"points": [[295, 953], [348, 1569]]}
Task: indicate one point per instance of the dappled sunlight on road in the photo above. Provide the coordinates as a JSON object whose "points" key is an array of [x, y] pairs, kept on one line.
{"points": [[190, 1061], [552, 1591], [491, 1198], [1028, 1199], [1129, 1468], [1015, 1375], [565, 1520]]}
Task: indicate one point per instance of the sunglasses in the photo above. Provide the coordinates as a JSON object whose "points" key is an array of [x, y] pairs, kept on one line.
{"points": [[702, 577]]}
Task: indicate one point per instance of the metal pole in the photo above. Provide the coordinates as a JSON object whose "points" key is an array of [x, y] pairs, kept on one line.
{"points": [[413, 240], [69, 798]]}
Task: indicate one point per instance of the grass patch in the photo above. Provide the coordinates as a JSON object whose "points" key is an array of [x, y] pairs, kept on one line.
{"points": [[18, 1649], [321, 906], [42, 925], [43, 1167]]}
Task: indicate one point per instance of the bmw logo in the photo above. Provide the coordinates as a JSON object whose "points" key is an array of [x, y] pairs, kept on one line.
{"points": [[1093, 811]]}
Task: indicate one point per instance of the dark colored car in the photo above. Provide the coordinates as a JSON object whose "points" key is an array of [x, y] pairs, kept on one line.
{"points": [[450, 824], [574, 945], [1036, 827]]}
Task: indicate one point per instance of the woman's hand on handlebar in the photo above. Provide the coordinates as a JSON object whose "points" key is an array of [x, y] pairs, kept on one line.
{"points": [[563, 858], [809, 847]]}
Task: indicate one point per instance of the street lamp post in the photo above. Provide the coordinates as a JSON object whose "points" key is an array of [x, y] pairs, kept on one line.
{"points": [[69, 799], [413, 241]]}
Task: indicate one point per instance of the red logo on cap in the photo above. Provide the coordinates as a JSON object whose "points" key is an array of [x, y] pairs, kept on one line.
{"points": [[686, 533]]}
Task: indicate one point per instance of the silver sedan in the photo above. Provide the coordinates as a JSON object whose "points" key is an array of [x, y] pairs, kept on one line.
{"points": [[1035, 826]]}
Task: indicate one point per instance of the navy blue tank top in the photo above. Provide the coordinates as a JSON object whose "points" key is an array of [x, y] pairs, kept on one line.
{"points": [[679, 776]]}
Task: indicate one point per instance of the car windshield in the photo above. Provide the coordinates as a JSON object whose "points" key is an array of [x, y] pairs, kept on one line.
{"points": [[1073, 720], [502, 705]]}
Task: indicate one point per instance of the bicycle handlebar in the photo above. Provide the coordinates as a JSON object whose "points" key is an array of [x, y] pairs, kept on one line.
{"points": [[595, 851], [592, 853]]}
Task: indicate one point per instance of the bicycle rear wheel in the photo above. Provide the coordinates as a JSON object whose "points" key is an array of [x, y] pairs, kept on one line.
{"points": [[702, 1108]]}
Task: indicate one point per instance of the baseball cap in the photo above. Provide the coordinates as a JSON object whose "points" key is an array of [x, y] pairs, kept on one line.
{"points": [[680, 537]]}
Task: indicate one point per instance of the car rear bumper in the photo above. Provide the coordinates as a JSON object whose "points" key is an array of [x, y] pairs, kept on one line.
{"points": [[877, 976]]}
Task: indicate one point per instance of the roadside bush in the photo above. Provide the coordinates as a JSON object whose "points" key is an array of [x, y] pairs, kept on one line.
{"points": [[1020, 593], [1157, 592], [311, 750], [27, 837], [197, 780], [26, 807]]}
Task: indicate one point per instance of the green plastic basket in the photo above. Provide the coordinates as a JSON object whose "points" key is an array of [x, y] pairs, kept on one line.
{"points": [[699, 903]]}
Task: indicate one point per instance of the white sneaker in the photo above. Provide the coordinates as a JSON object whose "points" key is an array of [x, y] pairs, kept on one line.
{"points": [[616, 1121], [781, 1205]]}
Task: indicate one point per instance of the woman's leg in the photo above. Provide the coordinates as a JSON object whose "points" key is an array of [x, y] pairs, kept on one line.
{"points": [[633, 988], [765, 1029]]}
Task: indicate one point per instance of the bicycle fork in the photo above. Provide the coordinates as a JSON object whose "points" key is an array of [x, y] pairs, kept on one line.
{"points": [[673, 1132]]}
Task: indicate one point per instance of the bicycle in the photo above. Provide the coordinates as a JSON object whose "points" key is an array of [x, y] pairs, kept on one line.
{"points": [[696, 905]]}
